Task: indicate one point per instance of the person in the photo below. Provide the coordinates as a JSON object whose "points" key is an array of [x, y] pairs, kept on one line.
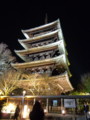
{"points": [[17, 111], [86, 107], [37, 112]]}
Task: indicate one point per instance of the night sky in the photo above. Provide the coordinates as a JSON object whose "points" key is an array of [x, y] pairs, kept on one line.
{"points": [[75, 23]]}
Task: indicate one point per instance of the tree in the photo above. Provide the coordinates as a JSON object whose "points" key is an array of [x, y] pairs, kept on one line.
{"points": [[37, 84], [6, 58], [9, 81], [85, 80], [83, 86]]}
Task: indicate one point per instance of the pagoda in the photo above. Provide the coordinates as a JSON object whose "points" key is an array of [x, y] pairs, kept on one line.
{"points": [[44, 53]]}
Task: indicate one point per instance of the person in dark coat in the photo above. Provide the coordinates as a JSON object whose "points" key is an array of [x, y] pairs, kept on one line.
{"points": [[86, 107], [37, 112], [17, 111]]}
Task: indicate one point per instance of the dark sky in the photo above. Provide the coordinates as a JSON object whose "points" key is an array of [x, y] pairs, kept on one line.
{"points": [[75, 22]]}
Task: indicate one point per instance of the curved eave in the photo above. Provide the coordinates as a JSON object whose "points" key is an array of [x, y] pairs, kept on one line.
{"points": [[56, 60], [23, 42], [23, 53], [62, 80], [52, 46], [42, 27]]}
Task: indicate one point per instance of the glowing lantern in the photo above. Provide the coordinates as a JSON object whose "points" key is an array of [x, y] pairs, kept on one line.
{"points": [[63, 112]]}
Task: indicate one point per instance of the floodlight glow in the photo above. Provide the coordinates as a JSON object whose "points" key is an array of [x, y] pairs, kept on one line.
{"points": [[63, 112], [26, 111], [9, 108], [45, 111], [89, 112]]}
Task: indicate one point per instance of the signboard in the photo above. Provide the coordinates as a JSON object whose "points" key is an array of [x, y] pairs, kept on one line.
{"points": [[54, 102], [69, 103]]}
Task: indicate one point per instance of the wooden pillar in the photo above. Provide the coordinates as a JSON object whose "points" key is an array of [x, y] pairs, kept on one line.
{"points": [[62, 104], [47, 104], [34, 101], [7, 99]]}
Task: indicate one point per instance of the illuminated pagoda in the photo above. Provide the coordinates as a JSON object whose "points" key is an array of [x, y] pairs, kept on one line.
{"points": [[44, 53]]}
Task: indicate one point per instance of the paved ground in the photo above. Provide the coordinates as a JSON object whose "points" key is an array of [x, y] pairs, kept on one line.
{"points": [[65, 117], [52, 116]]}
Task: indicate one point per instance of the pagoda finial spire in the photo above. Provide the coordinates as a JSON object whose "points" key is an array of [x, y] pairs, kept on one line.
{"points": [[46, 18]]}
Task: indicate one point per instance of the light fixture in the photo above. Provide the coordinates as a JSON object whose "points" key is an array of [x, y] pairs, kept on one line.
{"points": [[63, 112], [24, 92]]}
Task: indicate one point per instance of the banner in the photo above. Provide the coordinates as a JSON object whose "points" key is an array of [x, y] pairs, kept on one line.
{"points": [[69, 103]]}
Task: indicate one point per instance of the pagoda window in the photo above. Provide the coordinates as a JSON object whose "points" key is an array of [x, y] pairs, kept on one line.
{"points": [[34, 45], [51, 55], [33, 69], [50, 42], [43, 41], [48, 56], [40, 54], [37, 44], [35, 58], [47, 42], [35, 55], [42, 58]]}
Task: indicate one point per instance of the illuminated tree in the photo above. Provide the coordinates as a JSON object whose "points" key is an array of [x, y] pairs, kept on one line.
{"points": [[41, 85], [6, 58], [9, 82]]}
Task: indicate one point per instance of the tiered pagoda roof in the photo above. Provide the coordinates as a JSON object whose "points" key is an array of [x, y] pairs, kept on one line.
{"points": [[40, 49], [56, 60], [44, 49], [54, 35], [37, 31]]}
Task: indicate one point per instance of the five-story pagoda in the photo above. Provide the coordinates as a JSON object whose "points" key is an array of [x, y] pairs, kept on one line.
{"points": [[44, 54]]}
